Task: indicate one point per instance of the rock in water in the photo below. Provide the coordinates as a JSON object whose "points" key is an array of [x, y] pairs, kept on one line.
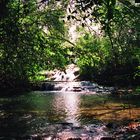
{"points": [[74, 139], [107, 138]]}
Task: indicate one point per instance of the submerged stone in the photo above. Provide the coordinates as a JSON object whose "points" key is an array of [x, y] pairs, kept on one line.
{"points": [[107, 138]]}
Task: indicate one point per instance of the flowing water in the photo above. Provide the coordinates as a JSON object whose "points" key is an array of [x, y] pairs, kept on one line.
{"points": [[42, 112]]}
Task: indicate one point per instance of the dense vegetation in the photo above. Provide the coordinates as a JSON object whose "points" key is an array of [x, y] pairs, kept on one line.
{"points": [[30, 40], [33, 36], [114, 56]]}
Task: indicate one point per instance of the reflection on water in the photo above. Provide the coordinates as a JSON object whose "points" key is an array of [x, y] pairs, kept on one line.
{"points": [[35, 111], [69, 103]]}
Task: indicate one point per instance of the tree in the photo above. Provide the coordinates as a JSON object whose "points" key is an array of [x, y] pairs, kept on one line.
{"points": [[117, 24], [31, 39]]}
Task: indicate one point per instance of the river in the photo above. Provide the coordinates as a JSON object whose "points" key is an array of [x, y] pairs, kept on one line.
{"points": [[41, 112]]}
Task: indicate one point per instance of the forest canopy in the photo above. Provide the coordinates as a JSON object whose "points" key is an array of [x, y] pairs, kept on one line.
{"points": [[34, 36]]}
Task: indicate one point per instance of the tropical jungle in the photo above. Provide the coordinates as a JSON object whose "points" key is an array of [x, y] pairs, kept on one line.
{"points": [[69, 70]]}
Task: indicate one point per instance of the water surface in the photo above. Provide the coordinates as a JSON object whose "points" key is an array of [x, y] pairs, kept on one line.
{"points": [[38, 111]]}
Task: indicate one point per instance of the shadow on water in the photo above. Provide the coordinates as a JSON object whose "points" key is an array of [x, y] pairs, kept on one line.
{"points": [[27, 114], [36, 112], [111, 107]]}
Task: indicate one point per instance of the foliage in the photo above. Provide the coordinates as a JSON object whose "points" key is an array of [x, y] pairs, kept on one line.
{"points": [[137, 90], [32, 35], [92, 52], [30, 40], [123, 32]]}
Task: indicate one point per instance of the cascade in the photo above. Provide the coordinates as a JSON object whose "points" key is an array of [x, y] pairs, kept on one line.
{"points": [[67, 81]]}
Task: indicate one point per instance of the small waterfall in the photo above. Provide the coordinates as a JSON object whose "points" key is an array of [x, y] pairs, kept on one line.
{"points": [[66, 81], [80, 87], [70, 74]]}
